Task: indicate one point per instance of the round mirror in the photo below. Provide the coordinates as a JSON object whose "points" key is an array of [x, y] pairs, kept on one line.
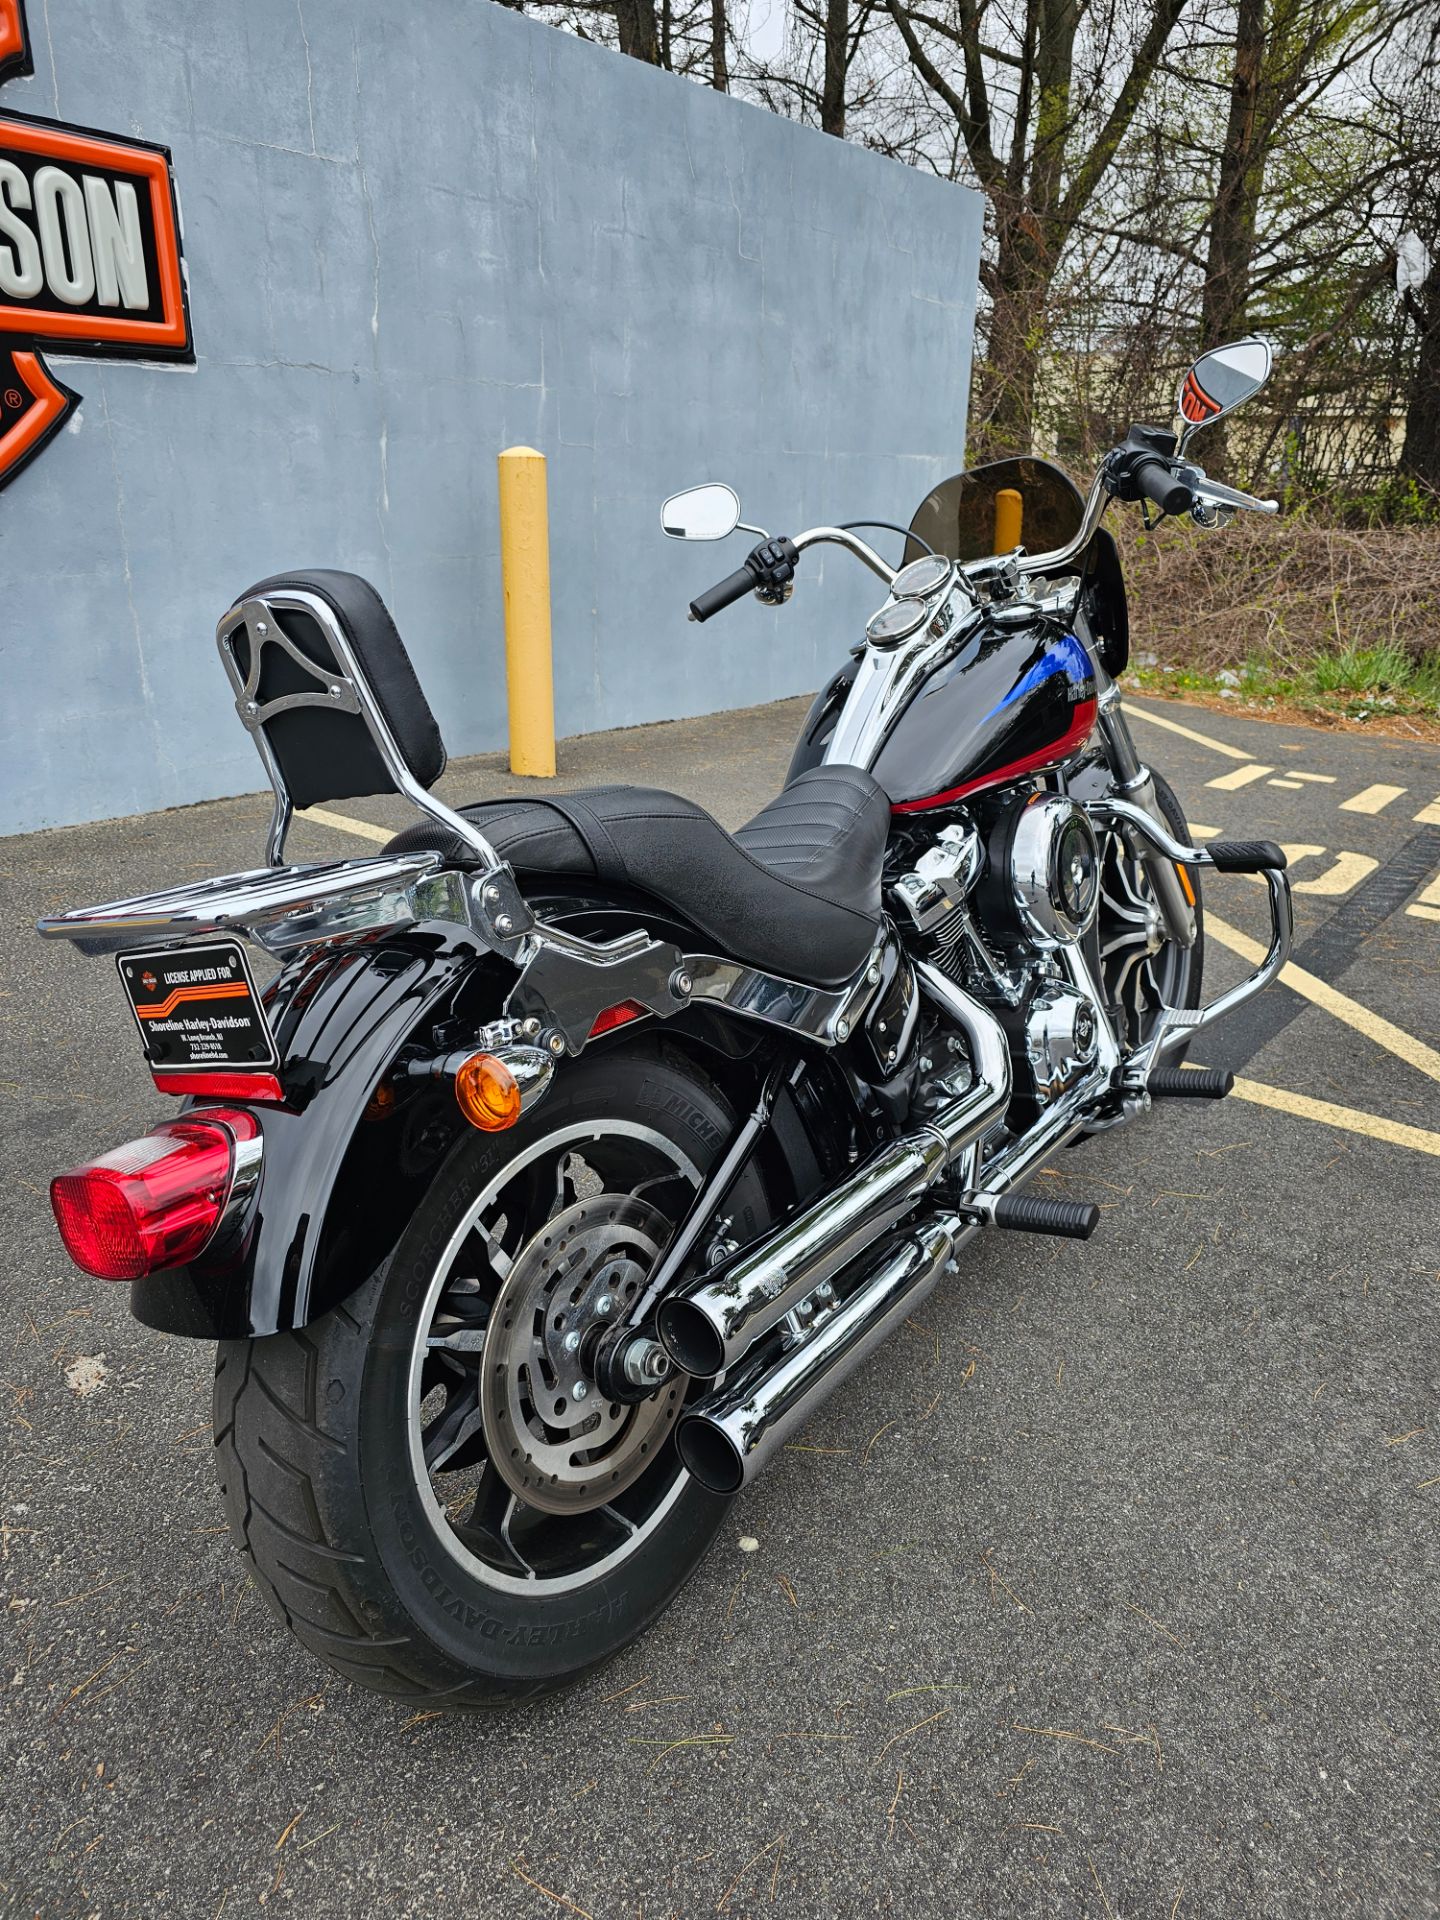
{"points": [[1221, 379], [701, 513]]}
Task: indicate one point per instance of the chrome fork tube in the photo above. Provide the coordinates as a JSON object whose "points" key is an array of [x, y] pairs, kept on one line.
{"points": [[1136, 784], [710, 1325]]}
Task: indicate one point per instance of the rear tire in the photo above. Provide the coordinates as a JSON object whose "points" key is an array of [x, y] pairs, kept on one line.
{"points": [[340, 1492]]}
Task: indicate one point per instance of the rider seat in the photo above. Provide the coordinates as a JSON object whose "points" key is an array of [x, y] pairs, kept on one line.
{"points": [[796, 891], [324, 682]]}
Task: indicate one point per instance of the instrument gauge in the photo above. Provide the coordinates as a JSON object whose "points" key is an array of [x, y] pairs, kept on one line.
{"points": [[932, 573], [896, 621]]}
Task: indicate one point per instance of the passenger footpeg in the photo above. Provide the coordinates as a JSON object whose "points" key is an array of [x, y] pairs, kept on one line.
{"points": [[1189, 1083], [1026, 1213]]}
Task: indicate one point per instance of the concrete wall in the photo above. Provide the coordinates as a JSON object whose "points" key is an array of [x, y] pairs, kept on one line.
{"points": [[415, 236]]}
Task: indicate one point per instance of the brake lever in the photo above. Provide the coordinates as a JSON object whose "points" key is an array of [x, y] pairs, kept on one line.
{"points": [[1214, 493]]}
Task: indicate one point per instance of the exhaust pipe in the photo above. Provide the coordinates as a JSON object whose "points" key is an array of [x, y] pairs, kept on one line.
{"points": [[710, 1325], [726, 1440]]}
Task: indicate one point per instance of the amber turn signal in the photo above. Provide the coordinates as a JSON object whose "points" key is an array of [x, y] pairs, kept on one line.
{"points": [[488, 1093]]}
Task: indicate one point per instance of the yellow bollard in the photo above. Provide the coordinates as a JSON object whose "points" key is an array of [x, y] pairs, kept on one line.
{"points": [[1009, 517], [525, 576]]}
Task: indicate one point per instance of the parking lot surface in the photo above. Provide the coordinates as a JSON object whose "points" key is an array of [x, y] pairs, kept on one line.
{"points": [[1106, 1588]]}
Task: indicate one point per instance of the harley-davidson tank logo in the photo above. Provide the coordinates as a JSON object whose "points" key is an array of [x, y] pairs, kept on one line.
{"points": [[90, 258]]}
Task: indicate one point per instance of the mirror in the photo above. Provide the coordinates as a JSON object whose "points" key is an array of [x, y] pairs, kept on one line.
{"points": [[1220, 380], [701, 513]]}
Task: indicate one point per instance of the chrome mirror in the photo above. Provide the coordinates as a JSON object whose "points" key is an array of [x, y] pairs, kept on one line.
{"points": [[701, 513], [1219, 381]]}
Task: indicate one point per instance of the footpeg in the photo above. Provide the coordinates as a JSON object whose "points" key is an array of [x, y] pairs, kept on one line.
{"points": [[1025, 1213], [1189, 1083], [1246, 856]]}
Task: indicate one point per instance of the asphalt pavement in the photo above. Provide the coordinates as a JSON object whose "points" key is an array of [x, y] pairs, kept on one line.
{"points": [[1108, 1588]]}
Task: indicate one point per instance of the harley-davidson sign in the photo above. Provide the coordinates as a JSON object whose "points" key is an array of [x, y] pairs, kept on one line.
{"points": [[90, 259]]}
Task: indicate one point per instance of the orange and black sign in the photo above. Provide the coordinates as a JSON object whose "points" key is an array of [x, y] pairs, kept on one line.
{"points": [[90, 258]]}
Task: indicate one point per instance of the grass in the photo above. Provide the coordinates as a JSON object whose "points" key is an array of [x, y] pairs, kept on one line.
{"points": [[1291, 616]]}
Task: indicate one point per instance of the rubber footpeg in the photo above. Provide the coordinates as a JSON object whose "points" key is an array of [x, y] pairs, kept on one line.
{"points": [[1189, 1083], [1246, 856], [1025, 1213]]}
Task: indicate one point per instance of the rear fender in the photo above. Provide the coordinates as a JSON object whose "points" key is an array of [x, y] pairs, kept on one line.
{"points": [[334, 1189]]}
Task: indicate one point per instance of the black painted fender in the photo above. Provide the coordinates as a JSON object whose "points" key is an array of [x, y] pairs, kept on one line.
{"points": [[334, 1188]]}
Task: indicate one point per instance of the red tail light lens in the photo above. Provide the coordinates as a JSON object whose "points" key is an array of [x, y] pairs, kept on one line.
{"points": [[153, 1203]]}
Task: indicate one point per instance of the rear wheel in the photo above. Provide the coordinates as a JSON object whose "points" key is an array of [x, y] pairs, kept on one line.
{"points": [[429, 1487]]}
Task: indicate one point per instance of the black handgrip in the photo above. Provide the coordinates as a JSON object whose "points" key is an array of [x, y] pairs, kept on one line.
{"points": [[1245, 856], [1153, 478], [723, 594]]}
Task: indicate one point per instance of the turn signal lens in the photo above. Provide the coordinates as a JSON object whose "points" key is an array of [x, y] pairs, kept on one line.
{"points": [[151, 1204], [488, 1093]]}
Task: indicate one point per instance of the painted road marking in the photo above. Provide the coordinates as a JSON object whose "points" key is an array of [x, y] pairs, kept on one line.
{"points": [[1371, 799], [343, 823], [1292, 786], [1339, 1005], [1241, 777], [1341, 877], [1187, 733], [1393, 1132], [1427, 907], [1348, 871], [1321, 779], [1429, 816]]}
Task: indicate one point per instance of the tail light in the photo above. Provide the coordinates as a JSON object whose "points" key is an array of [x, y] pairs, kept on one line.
{"points": [[158, 1201]]}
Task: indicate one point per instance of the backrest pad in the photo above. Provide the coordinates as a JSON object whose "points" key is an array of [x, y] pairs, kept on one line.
{"points": [[326, 754]]}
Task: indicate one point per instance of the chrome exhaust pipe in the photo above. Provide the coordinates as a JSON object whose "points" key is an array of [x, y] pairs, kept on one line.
{"points": [[729, 1438], [712, 1324]]}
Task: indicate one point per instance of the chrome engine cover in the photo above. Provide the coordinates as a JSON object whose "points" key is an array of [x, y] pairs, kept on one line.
{"points": [[1053, 870], [1061, 1038]]}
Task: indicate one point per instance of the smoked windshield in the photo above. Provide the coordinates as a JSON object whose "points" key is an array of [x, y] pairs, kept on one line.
{"points": [[958, 518]]}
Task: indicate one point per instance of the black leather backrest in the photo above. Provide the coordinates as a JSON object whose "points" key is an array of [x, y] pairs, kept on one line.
{"points": [[330, 756]]}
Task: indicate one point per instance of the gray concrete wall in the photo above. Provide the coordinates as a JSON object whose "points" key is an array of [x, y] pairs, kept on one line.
{"points": [[415, 236]]}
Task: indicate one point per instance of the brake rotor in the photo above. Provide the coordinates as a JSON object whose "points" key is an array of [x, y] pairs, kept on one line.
{"points": [[549, 1434]]}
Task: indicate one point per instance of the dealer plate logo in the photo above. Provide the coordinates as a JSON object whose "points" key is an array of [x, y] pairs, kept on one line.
{"points": [[90, 258]]}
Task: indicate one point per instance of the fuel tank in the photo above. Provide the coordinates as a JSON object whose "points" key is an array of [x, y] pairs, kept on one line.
{"points": [[1012, 702]]}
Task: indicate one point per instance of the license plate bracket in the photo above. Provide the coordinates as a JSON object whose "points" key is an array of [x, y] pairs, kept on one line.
{"points": [[197, 1009]]}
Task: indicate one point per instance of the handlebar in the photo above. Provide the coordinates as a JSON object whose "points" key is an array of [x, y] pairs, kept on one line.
{"points": [[1173, 486], [723, 594], [1155, 480]]}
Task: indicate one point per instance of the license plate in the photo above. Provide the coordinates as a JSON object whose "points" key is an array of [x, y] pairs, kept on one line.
{"points": [[196, 1007]]}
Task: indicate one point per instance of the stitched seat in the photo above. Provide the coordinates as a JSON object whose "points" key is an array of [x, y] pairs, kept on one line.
{"points": [[796, 891]]}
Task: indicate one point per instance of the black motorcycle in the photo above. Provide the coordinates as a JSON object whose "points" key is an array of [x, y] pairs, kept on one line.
{"points": [[578, 1149]]}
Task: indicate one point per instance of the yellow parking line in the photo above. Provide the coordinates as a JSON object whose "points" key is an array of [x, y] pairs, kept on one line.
{"points": [[1393, 1132], [1371, 799], [1339, 1005], [1429, 816], [1186, 733], [1241, 777], [343, 823]]}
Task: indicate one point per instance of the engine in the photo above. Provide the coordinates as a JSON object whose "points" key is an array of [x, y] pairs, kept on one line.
{"points": [[992, 904]]}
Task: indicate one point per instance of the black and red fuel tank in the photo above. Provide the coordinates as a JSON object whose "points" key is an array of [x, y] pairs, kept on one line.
{"points": [[1012, 702], [1008, 704]]}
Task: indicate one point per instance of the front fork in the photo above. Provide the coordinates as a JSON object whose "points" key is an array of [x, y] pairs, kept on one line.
{"points": [[1133, 782]]}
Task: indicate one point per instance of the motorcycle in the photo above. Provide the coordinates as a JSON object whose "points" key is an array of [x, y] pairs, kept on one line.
{"points": [[578, 1149]]}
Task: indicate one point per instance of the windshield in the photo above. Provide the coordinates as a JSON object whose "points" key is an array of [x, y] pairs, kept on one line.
{"points": [[958, 518]]}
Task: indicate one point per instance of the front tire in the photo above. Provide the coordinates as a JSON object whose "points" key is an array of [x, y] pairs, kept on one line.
{"points": [[357, 1456]]}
